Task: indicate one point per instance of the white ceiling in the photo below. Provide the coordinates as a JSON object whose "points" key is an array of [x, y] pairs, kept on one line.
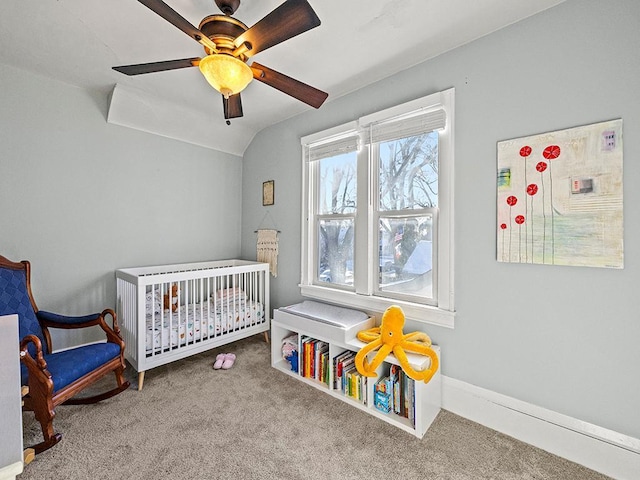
{"points": [[358, 43]]}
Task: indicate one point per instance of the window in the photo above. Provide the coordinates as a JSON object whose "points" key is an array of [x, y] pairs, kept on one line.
{"points": [[378, 209]]}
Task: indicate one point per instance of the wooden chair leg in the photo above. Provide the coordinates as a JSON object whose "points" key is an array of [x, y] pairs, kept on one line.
{"points": [[44, 413], [28, 454], [120, 377], [50, 437]]}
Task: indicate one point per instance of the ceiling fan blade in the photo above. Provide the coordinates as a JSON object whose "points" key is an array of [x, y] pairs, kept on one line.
{"points": [[303, 92], [173, 17], [232, 106], [291, 18], [157, 66]]}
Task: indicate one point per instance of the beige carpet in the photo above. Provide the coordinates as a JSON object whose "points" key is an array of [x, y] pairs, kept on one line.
{"points": [[253, 422]]}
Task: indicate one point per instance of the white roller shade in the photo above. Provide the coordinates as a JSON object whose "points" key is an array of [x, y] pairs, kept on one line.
{"points": [[406, 126], [332, 147]]}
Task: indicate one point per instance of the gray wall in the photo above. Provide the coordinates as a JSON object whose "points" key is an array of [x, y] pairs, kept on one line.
{"points": [[80, 198], [564, 338]]}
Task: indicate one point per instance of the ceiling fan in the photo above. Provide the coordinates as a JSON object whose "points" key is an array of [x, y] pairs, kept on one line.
{"points": [[229, 43]]}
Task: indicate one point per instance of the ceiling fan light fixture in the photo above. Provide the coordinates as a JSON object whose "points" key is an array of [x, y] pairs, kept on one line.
{"points": [[225, 73]]}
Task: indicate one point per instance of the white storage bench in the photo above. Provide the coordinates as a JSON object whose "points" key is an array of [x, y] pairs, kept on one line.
{"points": [[324, 337]]}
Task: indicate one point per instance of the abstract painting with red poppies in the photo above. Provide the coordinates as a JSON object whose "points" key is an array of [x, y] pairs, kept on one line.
{"points": [[560, 197]]}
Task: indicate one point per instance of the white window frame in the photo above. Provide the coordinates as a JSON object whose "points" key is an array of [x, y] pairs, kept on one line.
{"points": [[362, 296]]}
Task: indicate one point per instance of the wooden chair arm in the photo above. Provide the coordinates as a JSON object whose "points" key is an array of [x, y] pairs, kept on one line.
{"points": [[54, 320], [114, 321], [37, 366], [113, 333]]}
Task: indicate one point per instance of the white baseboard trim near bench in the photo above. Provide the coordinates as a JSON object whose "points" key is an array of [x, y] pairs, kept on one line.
{"points": [[605, 451]]}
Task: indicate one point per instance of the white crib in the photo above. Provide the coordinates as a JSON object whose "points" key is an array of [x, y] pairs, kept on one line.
{"points": [[212, 304]]}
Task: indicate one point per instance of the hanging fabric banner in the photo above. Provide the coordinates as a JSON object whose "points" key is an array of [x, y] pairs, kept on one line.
{"points": [[267, 249]]}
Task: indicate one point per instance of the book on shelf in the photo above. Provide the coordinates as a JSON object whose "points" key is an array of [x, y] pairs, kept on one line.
{"points": [[396, 393], [384, 384], [394, 375], [315, 360], [327, 369], [383, 394], [338, 362], [307, 343], [346, 379], [312, 352], [382, 401], [319, 350], [323, 367], [347, 366], [412, 403], [343, 363], [356, 386]]}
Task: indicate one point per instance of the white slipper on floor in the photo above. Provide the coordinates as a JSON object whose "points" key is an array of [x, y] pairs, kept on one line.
{"points": [[229, 358], [219, 361]]}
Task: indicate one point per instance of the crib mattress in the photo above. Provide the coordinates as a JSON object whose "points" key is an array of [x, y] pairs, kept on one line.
{"points": [[196, 322]]}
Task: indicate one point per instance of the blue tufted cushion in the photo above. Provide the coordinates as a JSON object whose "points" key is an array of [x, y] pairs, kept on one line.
{"points": [[69, 365], [14, 298]]}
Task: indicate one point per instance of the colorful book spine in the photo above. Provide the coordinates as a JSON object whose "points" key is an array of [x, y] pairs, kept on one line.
{"points": [[341, 364]]}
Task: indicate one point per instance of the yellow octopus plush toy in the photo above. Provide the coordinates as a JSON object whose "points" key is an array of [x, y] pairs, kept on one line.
{"points": [[388, 337]]}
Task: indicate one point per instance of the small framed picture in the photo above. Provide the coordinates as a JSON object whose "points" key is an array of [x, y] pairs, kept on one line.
{"points": [[267, 192]]}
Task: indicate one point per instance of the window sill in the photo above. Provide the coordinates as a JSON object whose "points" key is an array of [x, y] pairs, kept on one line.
{"points": [[413, 311]]}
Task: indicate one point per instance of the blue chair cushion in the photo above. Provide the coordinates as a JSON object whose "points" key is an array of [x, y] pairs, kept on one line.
{"points": [[14, 299], [68, 366], [62, 319]]}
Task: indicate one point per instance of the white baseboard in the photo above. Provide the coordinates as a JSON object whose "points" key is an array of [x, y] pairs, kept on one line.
{"points": [[605, 451], [9, 472]]}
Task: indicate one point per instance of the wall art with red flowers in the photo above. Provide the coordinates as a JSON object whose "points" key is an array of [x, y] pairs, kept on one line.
{"points": [[560, 197]]}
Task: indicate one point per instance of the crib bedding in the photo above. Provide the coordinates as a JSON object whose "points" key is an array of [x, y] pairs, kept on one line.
{"points": [[199, 321]]}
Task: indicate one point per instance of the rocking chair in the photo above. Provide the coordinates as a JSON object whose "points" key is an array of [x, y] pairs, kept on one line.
{"points": [[54, 378]]}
